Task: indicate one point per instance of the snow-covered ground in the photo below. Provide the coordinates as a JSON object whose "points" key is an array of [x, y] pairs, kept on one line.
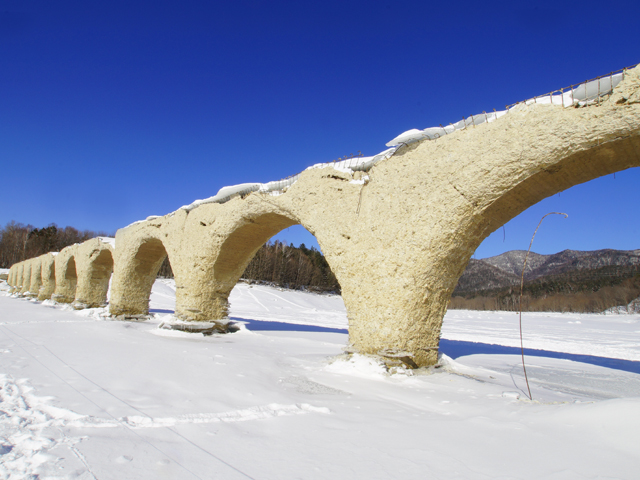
{"points": [[86, 397]]}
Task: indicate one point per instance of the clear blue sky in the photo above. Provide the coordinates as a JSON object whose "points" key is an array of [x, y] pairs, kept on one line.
{"points": [[114, 111]]}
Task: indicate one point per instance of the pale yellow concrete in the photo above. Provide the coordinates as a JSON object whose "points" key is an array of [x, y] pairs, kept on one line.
{"points": [[66, 275], [398, 243], [26, 277], [11, 281], [36, 277], [48, 275], [94, 264]]}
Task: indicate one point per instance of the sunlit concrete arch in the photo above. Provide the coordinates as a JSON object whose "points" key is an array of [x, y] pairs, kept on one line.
{"points": [[20, 277], [48, 276], [450, 194], [17, 286], [11, 281], [217, 243], [140, 251], [26, 277], [36, 277], [398, 241], [94, 265], [66, 275], [212, 244]]}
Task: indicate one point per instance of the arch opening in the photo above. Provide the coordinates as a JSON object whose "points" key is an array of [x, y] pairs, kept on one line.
{"points": [[66, 277], [102, 266], [240, 247], [581, 167], [71, 273], [149, 257], [93, 281], [583, 264], [281, 263], [259, 253]]}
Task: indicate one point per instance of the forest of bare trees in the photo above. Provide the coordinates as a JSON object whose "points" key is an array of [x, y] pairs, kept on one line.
{"points": [[555, 296], [275, 263], [287, 266], [292, 267], [20, 242]]}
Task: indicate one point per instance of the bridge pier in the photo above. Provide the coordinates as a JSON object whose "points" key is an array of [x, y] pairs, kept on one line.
{"points": [[94, 263], [26, 277], [137, 260], [48, 276], [66, 275], [36, 277]]}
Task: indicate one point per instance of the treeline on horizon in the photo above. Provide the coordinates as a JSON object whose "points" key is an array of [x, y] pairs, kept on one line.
{"points": [[20, 242], [279, 264], [275, 263]]}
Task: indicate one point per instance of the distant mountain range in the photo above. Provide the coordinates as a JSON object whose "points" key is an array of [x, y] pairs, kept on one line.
{"points": [[505, 270]]}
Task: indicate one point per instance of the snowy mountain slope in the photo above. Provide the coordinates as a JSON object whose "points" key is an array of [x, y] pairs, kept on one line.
{"points": [[561, 262]]}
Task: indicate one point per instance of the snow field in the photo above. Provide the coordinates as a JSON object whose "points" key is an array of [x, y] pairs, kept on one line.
{"points": [[86, 397]]}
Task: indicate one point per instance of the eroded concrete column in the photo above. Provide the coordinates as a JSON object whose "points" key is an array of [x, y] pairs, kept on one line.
{"points": [[94, 264], [218, 242], [48, 274], [66, 275], [138, 257], [19, 274], [11, 281], [426, 210], [36, 278], [26, 278]]}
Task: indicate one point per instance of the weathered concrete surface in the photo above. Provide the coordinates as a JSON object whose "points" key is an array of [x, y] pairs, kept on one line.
{"points": [[66, 275], [399, 243], [48, 275], [138, 257], [94, 265], [26, 277], [11, 281], [36, 278], [18, 280]]}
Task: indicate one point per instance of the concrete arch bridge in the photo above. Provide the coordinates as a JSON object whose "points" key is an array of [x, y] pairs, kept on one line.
{"points": [[397, 237]]}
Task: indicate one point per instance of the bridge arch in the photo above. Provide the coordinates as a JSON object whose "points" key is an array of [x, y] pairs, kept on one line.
{"points": [[26, 277], [137, 261], [18, 279], [95, 264], [242, 244], [11, 280], [66, 273], [399, 239], [459, 189], [36, 277], [48, 274]]}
